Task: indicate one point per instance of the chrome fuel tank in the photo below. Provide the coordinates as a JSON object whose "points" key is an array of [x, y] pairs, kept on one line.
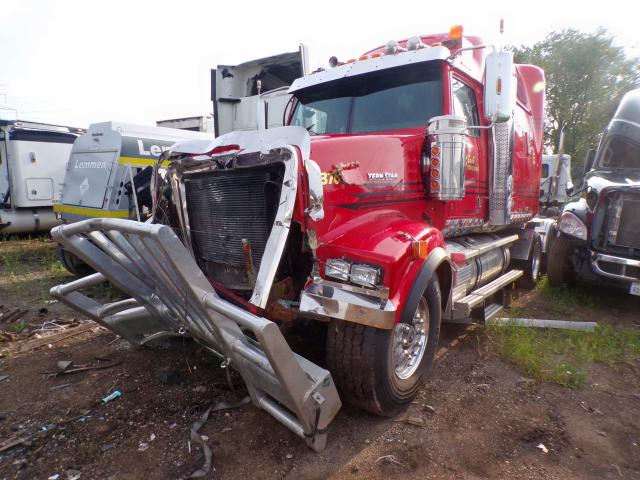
{"points": [[478, 268]]}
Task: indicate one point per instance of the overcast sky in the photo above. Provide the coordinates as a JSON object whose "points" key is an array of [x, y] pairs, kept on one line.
{"points": [[79, 62]]}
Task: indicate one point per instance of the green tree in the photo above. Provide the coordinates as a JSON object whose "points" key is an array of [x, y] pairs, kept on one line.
{"points": [[586, 75]]}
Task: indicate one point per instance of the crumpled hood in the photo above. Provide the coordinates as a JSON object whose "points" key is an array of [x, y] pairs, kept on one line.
{"points": [[600, 179]]}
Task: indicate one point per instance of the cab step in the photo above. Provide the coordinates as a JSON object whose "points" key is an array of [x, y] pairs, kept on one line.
{"points": [[464, 306]]}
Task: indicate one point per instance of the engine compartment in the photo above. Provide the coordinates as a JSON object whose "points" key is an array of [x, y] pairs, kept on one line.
{"points": [[226, 206]]}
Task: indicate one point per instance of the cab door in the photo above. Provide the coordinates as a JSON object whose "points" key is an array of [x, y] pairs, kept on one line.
{"points": [[464, 98]]}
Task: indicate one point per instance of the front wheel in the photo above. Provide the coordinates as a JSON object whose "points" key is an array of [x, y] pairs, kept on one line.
{"points": [[382, 370], [559, 266], [73, 264]]}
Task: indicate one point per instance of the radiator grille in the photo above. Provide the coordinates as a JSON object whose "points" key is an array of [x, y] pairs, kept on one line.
{"points": [[629, 226], [226, 207]]}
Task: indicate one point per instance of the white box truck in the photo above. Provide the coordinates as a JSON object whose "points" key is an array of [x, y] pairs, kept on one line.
{"points": [[33, 157]]}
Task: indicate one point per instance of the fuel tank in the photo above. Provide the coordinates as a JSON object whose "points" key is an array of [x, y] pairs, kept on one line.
{"points": [[479, 269]]}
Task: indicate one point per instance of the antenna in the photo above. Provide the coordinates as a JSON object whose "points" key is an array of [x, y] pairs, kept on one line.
{"points": [[501, 34]]}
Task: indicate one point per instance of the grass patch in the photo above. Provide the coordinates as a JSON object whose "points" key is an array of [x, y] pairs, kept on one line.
{"points": [[564, 297], [563, 356], [28, 268]]}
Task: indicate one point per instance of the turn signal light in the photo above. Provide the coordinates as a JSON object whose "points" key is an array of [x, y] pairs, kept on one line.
{"points": [[419, 249]]}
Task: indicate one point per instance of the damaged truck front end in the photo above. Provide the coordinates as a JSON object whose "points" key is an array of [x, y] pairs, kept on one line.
{"points": [[207, 265]]}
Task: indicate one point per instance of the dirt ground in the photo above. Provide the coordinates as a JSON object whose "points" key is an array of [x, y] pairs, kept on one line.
{"points": [[477, 417]]}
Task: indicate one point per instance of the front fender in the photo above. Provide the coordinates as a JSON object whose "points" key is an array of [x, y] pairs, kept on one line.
{"points": [[437, 263], [385, 240]]}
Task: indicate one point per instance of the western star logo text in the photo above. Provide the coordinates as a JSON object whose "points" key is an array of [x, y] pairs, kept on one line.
{"points": [[382, 176]]}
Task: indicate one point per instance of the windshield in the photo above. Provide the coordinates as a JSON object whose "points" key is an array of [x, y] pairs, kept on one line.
{"points": [[389, 99], [619, 152]]}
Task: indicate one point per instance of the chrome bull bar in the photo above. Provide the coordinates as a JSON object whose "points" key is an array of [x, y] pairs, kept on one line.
{"points": [[171, 295]]}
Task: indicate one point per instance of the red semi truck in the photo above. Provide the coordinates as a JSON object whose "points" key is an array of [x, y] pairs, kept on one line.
{"points": [[398, 196]]}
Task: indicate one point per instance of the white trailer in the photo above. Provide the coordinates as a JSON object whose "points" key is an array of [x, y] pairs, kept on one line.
{"points": [[203, 123], [33, 157]]}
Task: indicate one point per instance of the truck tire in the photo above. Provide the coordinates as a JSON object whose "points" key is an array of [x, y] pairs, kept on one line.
{"points": [[531, 267], [362, 361], [73, 264], [549, 238], [559, 266]]}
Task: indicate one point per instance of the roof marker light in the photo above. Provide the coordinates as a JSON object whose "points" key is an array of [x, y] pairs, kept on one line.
{"points": [[455, 32], [414, 43], [392, 46]]}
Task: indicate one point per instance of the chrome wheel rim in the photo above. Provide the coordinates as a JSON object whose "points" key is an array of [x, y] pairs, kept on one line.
{"points": [[410, 342]]}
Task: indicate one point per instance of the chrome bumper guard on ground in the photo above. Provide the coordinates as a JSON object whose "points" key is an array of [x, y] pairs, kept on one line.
{"points": [[348, 302], [628, 269], [170, 295]]}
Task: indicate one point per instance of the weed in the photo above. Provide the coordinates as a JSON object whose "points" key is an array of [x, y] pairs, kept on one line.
{"points": [[20, 326], [564, 297], [563, 356]]}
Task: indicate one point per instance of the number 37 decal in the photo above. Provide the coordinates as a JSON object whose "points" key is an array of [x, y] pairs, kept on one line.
{"points": [[330, 178]]}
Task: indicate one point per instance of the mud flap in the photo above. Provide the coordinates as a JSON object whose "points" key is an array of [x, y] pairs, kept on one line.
{"points": [[170, 295]]}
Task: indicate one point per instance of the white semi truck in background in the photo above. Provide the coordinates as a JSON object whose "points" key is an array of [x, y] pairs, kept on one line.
{"points": [[33, 157]]}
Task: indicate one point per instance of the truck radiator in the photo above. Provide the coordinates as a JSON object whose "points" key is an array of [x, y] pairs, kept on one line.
{"points": [[228, 209]]}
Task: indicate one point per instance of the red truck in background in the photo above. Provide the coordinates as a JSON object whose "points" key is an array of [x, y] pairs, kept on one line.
{"points": [[397, 197]]}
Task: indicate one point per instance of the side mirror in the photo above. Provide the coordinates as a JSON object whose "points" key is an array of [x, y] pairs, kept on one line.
{"points": [[500, 87], [590, 158]]}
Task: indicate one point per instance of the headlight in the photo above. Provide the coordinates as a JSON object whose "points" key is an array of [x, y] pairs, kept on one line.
{"points": [[572, 225], [337, 268], [364, 275], [345, 270]]}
